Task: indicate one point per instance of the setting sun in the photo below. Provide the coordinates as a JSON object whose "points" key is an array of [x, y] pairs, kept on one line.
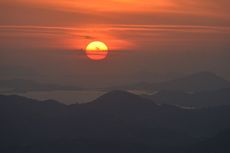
{"points": [[96, 50]]}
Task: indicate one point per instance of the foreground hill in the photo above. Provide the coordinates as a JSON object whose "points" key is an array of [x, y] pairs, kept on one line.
{"points": [[115, 119]]}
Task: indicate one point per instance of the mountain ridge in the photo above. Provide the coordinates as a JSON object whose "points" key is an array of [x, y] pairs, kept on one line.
{"points": [[197, 99], [201, 81]]}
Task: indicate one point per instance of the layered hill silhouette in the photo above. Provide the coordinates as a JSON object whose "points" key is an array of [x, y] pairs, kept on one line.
{"points": [[117, 121], [197, 82]]}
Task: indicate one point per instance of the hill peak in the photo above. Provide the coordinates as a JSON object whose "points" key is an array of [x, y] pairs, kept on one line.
{"points": [[118, 97], [118, 94]]}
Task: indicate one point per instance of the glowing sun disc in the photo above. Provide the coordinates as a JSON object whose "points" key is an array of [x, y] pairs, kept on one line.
{"points": [[97, 50]]}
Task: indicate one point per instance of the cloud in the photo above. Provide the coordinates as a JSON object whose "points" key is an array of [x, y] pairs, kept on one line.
{"points": [[13, 13], [78, 13], [117, 36]]}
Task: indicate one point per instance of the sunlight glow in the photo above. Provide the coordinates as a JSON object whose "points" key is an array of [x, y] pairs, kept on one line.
{"points": [[97, 50]]}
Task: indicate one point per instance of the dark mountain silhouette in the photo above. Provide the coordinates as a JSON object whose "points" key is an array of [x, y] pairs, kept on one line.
{"points": [[117, 121], [198, 99], [21, 85], [218, 143], [122, 100], [201, 81]]}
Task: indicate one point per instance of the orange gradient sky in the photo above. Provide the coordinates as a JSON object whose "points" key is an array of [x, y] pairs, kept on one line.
{"points": [[139, 33]]}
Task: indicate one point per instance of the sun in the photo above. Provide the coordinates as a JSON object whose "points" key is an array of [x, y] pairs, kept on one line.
{"points": [[97, 50]]}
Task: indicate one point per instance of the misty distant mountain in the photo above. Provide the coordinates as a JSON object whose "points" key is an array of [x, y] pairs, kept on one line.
{"points": [[201, 81], [21, 85], [117, 121], [197, 99]]}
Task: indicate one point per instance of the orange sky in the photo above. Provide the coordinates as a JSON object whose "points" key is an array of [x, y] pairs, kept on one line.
{"points": [[137, 31], [99, 19], [195, 6]]}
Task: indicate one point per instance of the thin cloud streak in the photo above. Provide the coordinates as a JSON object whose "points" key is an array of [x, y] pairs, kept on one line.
{"points": [[108, 27], [117, 36]]}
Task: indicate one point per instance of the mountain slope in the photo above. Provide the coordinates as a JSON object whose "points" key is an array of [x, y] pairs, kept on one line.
{"points": [[198, 99], [201, 81]]}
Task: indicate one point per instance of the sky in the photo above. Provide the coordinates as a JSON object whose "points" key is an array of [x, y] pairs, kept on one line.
{"points": [[148, 40]]}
